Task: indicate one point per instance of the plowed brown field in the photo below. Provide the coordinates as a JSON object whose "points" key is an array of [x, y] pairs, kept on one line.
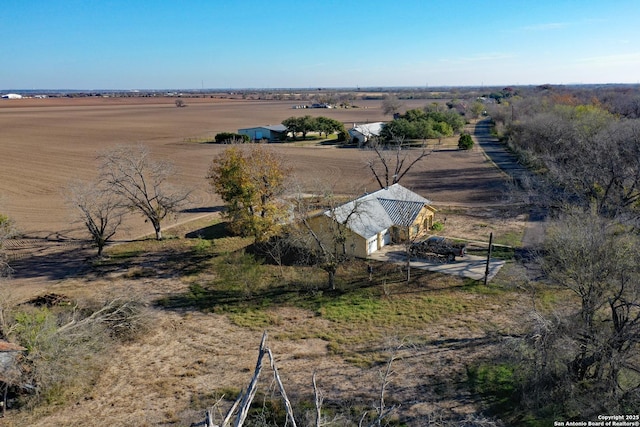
{"points": [[45, 143]]}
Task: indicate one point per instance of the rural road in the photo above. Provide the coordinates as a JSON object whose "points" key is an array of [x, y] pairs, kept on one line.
{"points": [[508, 163], [496, 152]]}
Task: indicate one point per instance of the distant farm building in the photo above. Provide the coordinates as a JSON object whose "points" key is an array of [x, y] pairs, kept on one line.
{"points": [[390, 215], [322, 105], [272, 133], [12, 96], [361, 134]]}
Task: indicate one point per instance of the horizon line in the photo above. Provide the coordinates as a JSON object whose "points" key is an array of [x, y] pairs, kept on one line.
{"points": [[314, 88]]}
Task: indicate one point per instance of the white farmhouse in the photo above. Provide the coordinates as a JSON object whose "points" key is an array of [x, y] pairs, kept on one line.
{"points": [[360, 134]]}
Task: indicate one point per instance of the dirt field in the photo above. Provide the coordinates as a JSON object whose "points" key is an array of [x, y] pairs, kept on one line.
{"points": [[45, 143], [166, 378]]}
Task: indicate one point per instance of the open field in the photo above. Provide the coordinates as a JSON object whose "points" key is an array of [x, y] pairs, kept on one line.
{"points": [[191, 356], [45, 143]]}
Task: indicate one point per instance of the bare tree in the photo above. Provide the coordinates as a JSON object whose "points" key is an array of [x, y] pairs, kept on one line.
{"points": [[391, 104], [392, 161], [131, 173], [240, 409], [584, 356], [561, 141], [328, 240], [382, 410], [100, 210]]}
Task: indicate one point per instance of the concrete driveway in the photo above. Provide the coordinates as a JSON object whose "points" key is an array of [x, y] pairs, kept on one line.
{"points": [[469, 266]]}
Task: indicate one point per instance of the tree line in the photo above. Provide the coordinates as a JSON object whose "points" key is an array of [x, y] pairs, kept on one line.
{"points": [[584, 147], [422, 124], [322, 125]]}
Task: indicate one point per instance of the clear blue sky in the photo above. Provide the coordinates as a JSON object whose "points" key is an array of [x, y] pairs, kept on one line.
{"points": [[189, 44]]}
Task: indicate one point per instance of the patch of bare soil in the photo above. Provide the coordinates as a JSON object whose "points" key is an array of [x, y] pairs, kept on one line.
{"points": [[475, 224]]}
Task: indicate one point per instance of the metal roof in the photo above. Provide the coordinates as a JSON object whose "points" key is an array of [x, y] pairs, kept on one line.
{"points": [[401, 212], [375, 212], [368, 129], [275, 128]]}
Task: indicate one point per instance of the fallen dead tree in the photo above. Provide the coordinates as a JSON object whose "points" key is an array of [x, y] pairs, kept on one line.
{"points": [[240, 407], [238, 412]]}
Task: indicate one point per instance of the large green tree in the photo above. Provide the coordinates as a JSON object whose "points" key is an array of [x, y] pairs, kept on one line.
{"points": [[251, 181], [423, 124], [328, 126], [306, 124], [303, 125]]}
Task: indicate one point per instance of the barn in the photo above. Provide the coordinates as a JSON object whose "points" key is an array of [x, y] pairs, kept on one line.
{"points": [[368, 223], [272, 133]]}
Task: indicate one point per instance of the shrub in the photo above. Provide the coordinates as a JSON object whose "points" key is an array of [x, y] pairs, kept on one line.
{"points": [[465, 142], [66, 346], [230, 137], [56, 364], [437, 226]]}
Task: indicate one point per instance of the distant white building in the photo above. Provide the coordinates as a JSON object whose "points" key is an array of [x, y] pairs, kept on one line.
{"points": [[12, 96], [361, 134]]}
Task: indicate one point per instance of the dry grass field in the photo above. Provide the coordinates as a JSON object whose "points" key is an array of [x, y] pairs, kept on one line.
{"points": [[190, 357]]}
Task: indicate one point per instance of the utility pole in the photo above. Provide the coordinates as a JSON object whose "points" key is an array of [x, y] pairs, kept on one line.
{"points": [[486, 271]]}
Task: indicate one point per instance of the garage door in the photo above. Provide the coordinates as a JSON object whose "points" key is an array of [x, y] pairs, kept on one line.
{"points": [[386, 237], [372, 245]]}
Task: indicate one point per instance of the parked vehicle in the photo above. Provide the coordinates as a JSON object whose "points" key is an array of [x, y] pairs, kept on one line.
{"points": [[440, 247]]}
